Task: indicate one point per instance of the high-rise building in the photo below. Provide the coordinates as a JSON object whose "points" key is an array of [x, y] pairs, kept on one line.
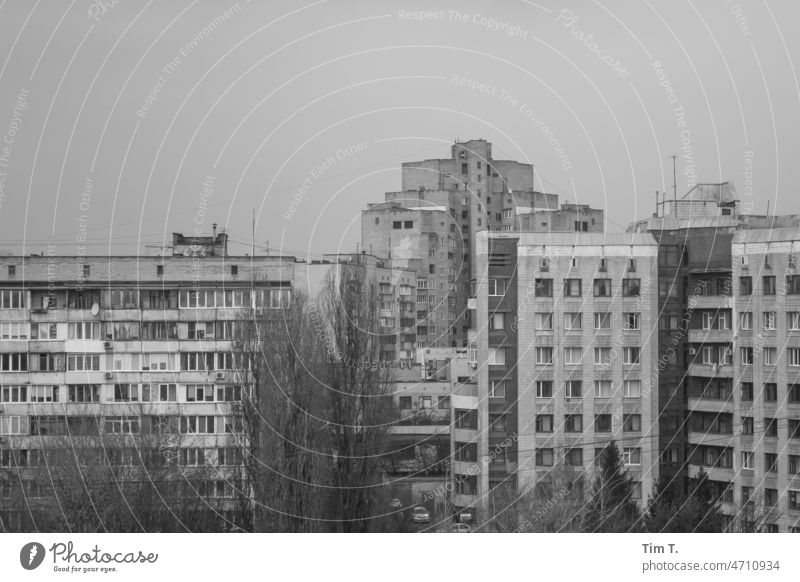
{"points": [[723, 314], [564, 359], [433, 221]]}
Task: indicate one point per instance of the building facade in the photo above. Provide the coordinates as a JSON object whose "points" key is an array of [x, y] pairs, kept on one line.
{"points": [[565, 358]]}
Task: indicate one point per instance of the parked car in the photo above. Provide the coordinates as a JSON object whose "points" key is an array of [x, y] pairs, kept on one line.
{"points": [[465, 516], [395, 503], [460, 528], [421, 515]]}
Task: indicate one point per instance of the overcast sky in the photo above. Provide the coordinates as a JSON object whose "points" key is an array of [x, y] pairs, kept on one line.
{"points": [[183, 113]]}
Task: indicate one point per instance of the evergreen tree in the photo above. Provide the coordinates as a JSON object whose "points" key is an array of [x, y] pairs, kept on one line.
{"points": [[611, 507], [671, 508]]}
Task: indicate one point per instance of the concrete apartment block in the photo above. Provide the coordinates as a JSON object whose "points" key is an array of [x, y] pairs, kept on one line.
{"points": [[538, 301]]}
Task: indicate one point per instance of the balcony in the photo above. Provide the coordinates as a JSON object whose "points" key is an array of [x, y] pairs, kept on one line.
{"points": [[419, 429], [717, 336], [705, 404], [711, 301], [713, 473], [711, 370], [710, 438]]}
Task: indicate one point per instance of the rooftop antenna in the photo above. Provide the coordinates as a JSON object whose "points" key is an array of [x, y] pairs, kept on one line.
{"points": [[674, 183], [656, 203]]}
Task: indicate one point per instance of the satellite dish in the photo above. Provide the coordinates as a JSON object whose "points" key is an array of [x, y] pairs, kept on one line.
{"points": [[95, 309]]}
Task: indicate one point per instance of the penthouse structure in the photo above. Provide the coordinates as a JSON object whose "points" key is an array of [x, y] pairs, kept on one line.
{"points": [[433, 222]]}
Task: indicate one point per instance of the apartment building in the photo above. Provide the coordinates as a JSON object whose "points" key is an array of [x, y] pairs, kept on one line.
{"points": [[140, 354], [703, 393], [564, 357], [432, 222]]}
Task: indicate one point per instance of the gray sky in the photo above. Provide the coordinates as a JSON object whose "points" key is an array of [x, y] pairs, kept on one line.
{"points": [[261, 94]]}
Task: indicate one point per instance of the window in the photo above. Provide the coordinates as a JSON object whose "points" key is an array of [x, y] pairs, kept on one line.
{"points": [[602, 423], [631, 321], [793, 320], [573, 423], [197, 361], [197, 424], [544, 389], [123, 330], [497, 287], [631, 456], [14, 362], [747, 391], [630, 287], [770, 392], [12, 270], [747, 425], [126, 392], [122, 424], [544, 457], [84, 330], [199, 393], [632, 423], [544, 287], [669, 320], [14, 394], [632, 389], [668, 255], [602, 356], [573, 356], [573, 389], [408, 224], [794, 464], [497, 389], [602, 389], [793, 393], [124, 299], [747, 459], [158, 299], [405, 403], [544, 321], [43, 394], [572, 288], [771, 462], [497, 321], [573, 457], [192, 457], [497, 356], [602, 320], [770, 356], [794, 428], [771, 427], [794, 356], [572, 321], [544, 356], [745, 285], [83, 393], [746, 320], [746, 356], [768, 284], [630, 355], [83, 362], [13, 331], [11, 425], [544, 423], [667, 288], [12, 299], [769, 320], [602, 287]]}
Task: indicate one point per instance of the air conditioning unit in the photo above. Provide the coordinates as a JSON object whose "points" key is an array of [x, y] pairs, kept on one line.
{"points": [[2, 439], [474, 365], [692, 351], [220, 375], [109, 375], [107, 345]]}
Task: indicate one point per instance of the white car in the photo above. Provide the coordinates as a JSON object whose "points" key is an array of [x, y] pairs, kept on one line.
{"points": [[460, 528], [421, 515], [465, 516]]}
